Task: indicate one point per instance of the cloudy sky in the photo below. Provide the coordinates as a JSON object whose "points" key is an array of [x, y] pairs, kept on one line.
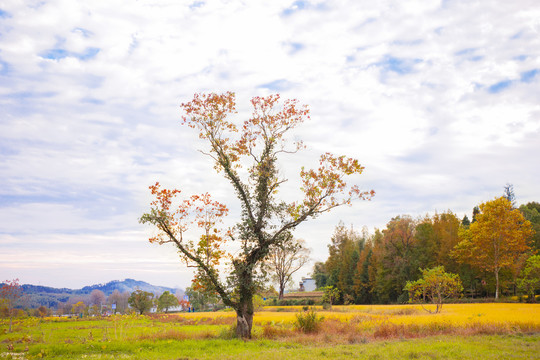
{"points": [[440, 100]]}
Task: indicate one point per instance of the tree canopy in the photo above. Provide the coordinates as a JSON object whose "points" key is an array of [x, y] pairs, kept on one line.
{"points": [[375, 268], [166, 301], [142, 301], [498, 237], [435, 286]]}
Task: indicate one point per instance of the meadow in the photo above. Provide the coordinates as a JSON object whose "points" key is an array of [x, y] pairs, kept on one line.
{"points": [[461, 331]]}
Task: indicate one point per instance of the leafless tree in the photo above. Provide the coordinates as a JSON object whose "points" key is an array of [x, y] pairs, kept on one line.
{"points": [[286, 258]]}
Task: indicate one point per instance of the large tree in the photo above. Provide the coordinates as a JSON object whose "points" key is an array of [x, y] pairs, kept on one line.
{"points": [[531, 212], [140, 300], [397, 259], [97, 297], [166, 301], [320, 274], [247, 156], [201, 300], [496, 240], [344, 252]]}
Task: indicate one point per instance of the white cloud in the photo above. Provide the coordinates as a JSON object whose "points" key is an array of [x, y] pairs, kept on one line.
{"points": [[429, 95]]}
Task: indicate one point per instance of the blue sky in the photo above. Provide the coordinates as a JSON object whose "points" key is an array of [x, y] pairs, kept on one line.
{"points": [[438, 99]]}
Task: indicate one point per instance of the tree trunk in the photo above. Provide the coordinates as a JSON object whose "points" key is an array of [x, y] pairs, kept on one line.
{"points": [[244, 320], [244, 311], [281, 292], [497, 284]]}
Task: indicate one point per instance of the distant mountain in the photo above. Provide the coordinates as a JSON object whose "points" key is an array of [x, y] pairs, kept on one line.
{"points": [[36, 295], [128, 285]]}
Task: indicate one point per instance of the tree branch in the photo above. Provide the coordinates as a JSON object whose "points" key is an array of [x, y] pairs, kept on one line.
{"points": [[200, 263]]}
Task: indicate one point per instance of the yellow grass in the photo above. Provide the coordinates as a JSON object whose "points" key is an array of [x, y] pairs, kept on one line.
{"points": [[391, 321], [398, 314]]}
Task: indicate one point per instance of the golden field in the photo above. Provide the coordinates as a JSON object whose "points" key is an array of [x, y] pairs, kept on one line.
{"points": [[398, 314], [390, 321]]}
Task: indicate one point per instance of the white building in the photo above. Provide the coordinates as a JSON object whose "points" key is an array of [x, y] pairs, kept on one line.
{"points": [[308, 284]]}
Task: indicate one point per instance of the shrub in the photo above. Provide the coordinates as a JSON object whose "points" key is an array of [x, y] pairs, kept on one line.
{"points": [[258, 303], [228, 332], [331, 295], [308, 321], [295, 302], [435, 286]]}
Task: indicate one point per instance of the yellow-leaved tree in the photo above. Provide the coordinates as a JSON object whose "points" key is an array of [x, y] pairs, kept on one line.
{"points": [[496, 240]]}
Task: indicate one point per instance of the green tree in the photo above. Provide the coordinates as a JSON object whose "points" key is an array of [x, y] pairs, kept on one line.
{"points": [[166, 301], [497, 239], [435, 237], [531, 212], [475, 212], [529, 281], [341, 265], [363, 287], [260, 140], [140, 300], [435, 286], [427, 243], [201, 300], [397, 261], [446, 227], [320, 274], [375, 267], [331, 295]]}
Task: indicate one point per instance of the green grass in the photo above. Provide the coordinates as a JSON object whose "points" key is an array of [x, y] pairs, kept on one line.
{"points": [[134, 337], [475, 347]]}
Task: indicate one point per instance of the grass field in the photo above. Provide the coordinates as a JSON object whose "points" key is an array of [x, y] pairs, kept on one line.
{"points": [[461, 331]]}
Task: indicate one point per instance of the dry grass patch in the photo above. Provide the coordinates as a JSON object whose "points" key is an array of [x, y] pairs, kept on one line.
{"points": [[276, 332], [196, 318], [175, 334]]}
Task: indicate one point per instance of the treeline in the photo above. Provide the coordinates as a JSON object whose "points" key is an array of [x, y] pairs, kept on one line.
{"points": [[369, 269], [97, 303], [54, 298]]}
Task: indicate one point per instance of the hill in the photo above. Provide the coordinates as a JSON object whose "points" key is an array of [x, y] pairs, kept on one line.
{"points": [[36, 295], [128, 285]]}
